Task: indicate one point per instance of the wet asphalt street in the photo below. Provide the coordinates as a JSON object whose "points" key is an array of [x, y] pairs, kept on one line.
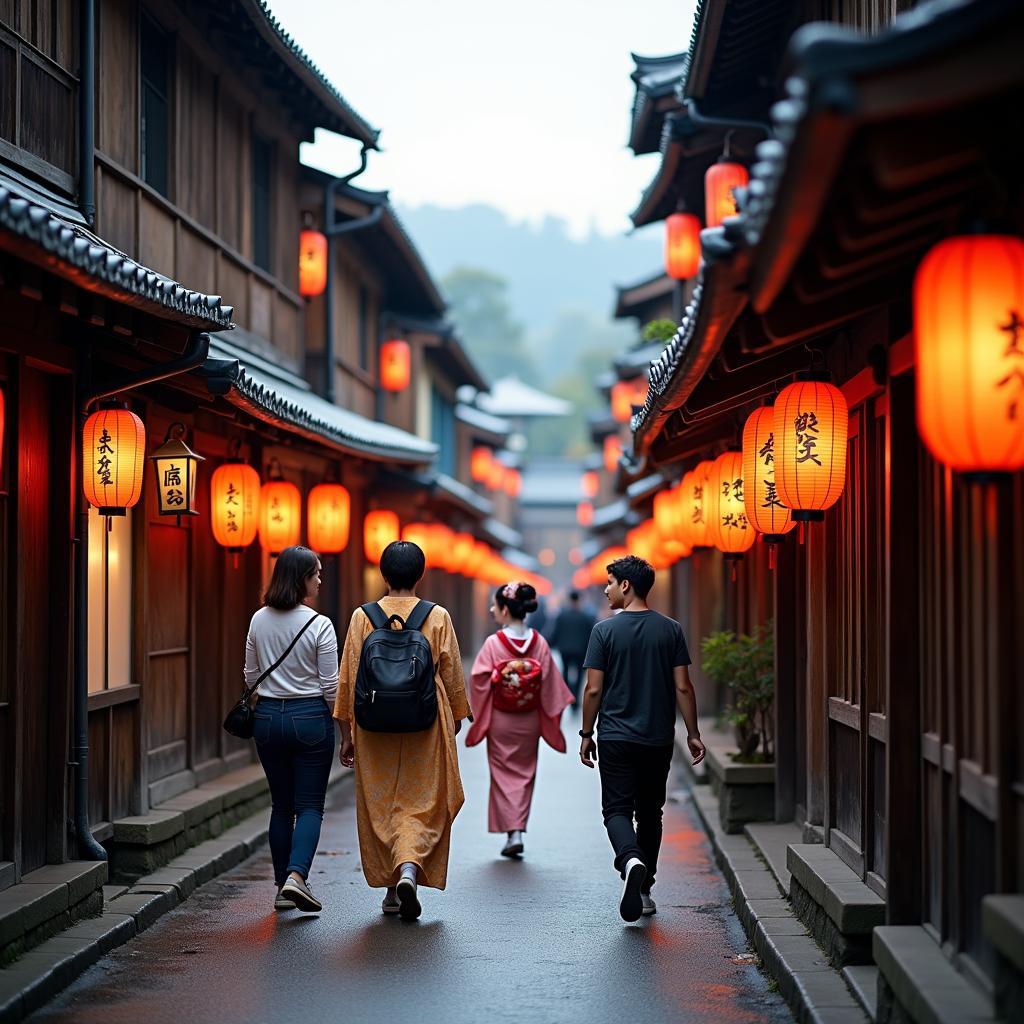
{"points": [[536, 941]]}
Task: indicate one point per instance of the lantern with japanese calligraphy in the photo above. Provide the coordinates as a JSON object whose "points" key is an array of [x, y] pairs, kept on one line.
{"points": [[280, 513], [235, 505], [729, 530], [694, 506], [682, 245], [625, 395], [969, 353], [395, 365], [175, 466], [720, 183], [612, 452], [312, 263], [113, 454], [590, 484], [810, 424], [765, 510], [328, 513], [380, 528], [480, 464]]}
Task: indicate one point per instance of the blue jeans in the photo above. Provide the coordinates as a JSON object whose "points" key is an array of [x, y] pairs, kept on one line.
{"points": [[295, 742]]}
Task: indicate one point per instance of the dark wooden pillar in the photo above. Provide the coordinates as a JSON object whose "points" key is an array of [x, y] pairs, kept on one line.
{"points": [[786, 680]]}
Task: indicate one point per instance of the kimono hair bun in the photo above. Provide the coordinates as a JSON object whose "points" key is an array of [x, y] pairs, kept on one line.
{"points": [[519, 598]]}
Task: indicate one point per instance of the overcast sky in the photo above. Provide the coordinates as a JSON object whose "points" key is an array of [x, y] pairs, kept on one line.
{"points": [[523, 105]]}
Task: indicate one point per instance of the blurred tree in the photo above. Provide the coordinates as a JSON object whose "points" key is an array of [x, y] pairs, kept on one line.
{"points": [[659, 330], [479, 308]]}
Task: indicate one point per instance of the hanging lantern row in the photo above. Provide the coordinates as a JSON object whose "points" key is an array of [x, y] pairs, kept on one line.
{"points": [[485, 469], [625, 395]]}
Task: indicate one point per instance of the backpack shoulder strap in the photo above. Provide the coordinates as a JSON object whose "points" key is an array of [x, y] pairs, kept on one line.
{"points": [[418, 616], [375, 614]]}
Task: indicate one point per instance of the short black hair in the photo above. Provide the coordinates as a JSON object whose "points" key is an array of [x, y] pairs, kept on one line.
{"points": [[402, 564], [639, 572], [287, 587], [521, 601]]}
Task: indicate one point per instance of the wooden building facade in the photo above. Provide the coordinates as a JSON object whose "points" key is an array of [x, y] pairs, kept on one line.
{"points": [[897, 620]]}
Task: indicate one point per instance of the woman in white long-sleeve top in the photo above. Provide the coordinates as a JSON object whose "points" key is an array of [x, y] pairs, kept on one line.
{"points": [[293, 727]]}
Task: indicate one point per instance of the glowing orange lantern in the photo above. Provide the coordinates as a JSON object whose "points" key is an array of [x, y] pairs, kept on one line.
{"points": [[419, 534], [513, 483], [728, 527], [666, 514], [585, 513], [612, 452], [682, 245], [113, 454], [235, 505], [590, 484], [480, 464], [328, 517], [495, 476], [626, 394], [694, 506], [312, 263], [720, 181], [395, 365], [764, 507], [810, 424], [380, 528], [280, 514], [969, 353], [581, 579], [462, 546]]}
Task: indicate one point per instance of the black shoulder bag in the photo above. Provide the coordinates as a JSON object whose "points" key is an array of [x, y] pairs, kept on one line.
{"points": [[240, 719]]}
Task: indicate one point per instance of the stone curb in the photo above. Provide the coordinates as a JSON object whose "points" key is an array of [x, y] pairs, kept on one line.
{"points": [[46, 970], [814, 991]]}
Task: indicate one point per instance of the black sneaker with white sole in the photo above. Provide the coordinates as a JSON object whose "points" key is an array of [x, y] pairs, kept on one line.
{"points": [[300, 894], [649, 904], [631, 904], [409, 908]]}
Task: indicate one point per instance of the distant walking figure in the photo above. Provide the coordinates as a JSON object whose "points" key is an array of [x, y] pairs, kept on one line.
{"points": [[570, 638], [519, 696], [399, 718], [637, 673], [292, 723]]}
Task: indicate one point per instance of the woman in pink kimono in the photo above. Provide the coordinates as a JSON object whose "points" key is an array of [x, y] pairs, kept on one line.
{"points": [[518, 696]]}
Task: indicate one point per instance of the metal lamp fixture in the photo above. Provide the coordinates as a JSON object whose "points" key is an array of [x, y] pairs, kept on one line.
{"points": [[175, 464]]}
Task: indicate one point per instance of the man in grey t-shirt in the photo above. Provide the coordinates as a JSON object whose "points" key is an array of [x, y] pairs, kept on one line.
{"points": [[637, 674]]}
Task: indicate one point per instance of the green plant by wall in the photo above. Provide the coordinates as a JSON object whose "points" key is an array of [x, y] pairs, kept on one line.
{"points": [[746, 664], [659, 330]]}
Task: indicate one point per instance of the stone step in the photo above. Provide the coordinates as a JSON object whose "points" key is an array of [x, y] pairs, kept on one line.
{"points": [[863, 982], [772, 840]]}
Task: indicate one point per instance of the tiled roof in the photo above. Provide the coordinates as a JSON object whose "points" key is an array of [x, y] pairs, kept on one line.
{"points": [[73, 251], [656, 78]]}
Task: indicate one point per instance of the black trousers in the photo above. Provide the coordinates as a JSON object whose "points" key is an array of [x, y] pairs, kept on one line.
{"points": [[574, 673], [634, 777]]}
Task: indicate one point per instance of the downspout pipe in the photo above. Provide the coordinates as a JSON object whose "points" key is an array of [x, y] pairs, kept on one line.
{"points": [[331, 229], [193, 357], [727, 123], [87, 113]]}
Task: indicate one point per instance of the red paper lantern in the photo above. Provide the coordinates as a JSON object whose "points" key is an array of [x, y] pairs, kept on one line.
{"points": [[969, 353], [395, 365], [480, 463], [328, 517], [728, 527], [235, 505], [682, 245], [810, 423], [113, 454], [612, 452], [694, 506], [590, 484], [312, 263], [666, 514], [625, 395], [380, 528], [720, 183], [513, 483], [764, 507], [495, 476], [280, 516]]}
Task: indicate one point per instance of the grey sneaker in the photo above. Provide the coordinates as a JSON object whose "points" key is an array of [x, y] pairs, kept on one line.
{"points": [[283, 902], [630, 902], [391, 903], [299, 893], [649, 905]]}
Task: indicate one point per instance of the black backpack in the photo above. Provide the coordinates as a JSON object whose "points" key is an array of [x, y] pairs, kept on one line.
{"points": [[395, 688]]}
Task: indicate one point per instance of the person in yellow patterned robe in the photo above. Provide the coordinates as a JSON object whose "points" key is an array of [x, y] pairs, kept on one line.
{"points": [[408, 787]]}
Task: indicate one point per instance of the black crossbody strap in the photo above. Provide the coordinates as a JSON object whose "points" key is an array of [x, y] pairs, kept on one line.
{"points": [[375, 614], [250, 690], [418, 616]]}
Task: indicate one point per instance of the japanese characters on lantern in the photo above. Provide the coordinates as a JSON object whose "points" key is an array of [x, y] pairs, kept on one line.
{"points": [[693, 503], [810, 426], [969, 353], [280, 515], [764, 507], [113, 453], [312, 263], [175, 466], [328, 511], [682, 245], [234, 505], [729, 530]]}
